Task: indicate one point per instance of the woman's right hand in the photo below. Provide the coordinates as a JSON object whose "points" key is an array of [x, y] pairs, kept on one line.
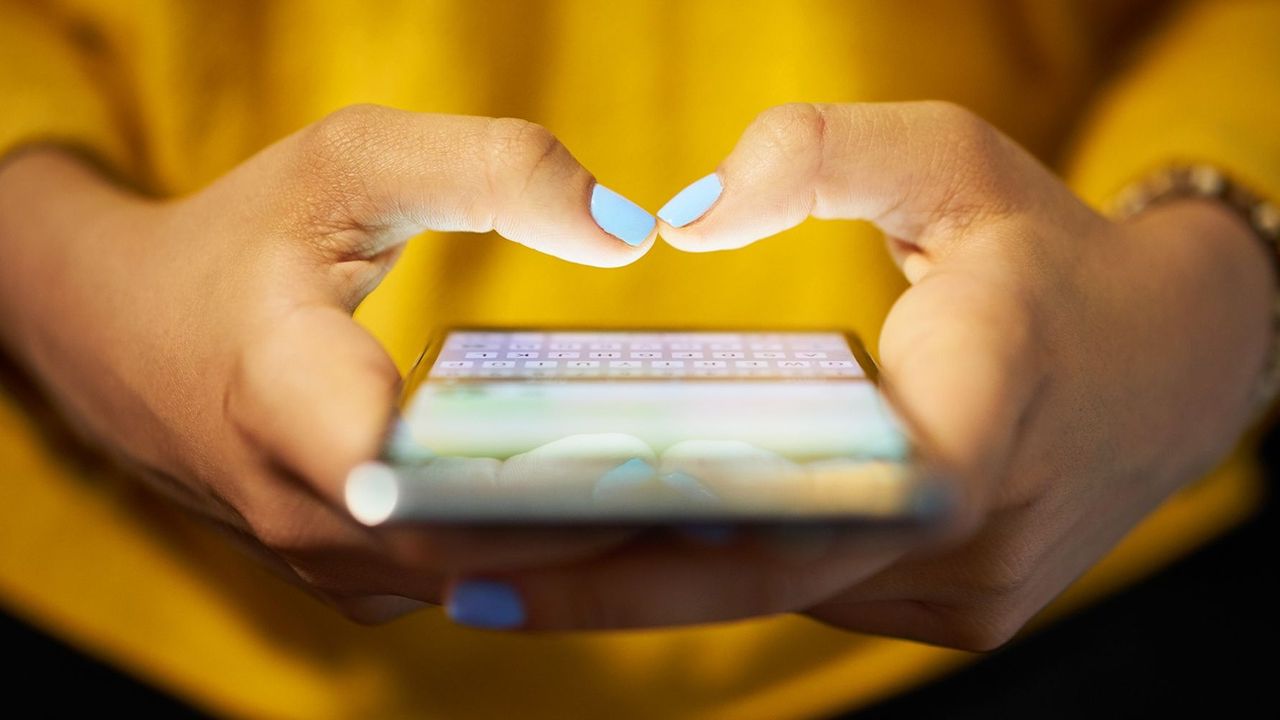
{"points": [[209, 339]]}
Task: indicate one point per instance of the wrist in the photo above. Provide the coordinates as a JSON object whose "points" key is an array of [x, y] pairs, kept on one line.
{"points": [[55, 217], [1214, 286]]}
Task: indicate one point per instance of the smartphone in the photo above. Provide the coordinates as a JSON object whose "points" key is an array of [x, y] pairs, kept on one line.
{"points": [[529, 426]]}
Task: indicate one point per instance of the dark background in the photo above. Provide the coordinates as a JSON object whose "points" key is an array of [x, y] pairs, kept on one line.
{"points": [[1174, 645]]}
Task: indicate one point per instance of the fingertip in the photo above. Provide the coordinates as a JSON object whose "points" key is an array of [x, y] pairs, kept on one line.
{"points": [[682, 220], [688, 239], [372, 492], [693, 202], [317, 393], [621, 255], [613, 255], [620, 217]]}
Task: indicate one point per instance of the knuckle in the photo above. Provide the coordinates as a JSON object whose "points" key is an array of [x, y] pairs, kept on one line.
{"points": [[974, 154], [1007, 578], [334, 154], [247, 375], [518, 150], [959, 121], [993, 608], [793, 127], [1002, 570], [273, 529], [339, 136], [257, 369], [984, 630]]}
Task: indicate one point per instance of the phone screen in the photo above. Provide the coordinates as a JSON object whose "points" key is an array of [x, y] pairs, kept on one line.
{"points": [[575, 425]]}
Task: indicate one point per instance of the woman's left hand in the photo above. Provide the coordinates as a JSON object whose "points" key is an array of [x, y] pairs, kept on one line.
{"points": [[1072, 370]]}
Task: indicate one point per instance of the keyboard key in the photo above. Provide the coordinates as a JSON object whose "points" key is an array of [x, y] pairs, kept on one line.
{"points": [[533, 355]]}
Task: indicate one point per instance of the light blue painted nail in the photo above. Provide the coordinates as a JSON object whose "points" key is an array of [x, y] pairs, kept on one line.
{"points": [[692, 202], [619, 216], [690, 487], [488, 604], [630, 474]]}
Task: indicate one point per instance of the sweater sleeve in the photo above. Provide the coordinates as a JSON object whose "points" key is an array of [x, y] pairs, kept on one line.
{"points": [[49, 91], [1204, 87]]}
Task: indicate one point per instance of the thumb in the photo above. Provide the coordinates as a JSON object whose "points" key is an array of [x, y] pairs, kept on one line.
{"points": [[958, 349], [359, 183], [961, 361], [316, 391], [918, 171]]}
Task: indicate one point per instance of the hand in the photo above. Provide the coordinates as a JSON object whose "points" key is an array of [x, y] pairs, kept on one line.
{"points": [[210, 340], [1072, 371]]}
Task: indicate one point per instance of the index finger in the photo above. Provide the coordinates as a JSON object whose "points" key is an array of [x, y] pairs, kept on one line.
{"points": [[370, 177], [909, 168]]}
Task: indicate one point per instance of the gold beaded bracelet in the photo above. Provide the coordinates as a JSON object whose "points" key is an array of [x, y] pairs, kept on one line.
{"points": [[1261, 215]]}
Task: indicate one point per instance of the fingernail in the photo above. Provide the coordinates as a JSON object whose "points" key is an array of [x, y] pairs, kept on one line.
{"points": [[692, 202], [690, 487], [488, 604], [619, 216], [620, 480], [372, 492]]}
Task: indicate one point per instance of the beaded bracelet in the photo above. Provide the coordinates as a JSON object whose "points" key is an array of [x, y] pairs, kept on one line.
{"points": [[1261, 215]]}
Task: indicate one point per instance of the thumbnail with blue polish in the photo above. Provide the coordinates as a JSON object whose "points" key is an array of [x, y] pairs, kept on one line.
{"points": [[486, 604], [692, 202], [620, 217], [629, 474], [689, 487]]}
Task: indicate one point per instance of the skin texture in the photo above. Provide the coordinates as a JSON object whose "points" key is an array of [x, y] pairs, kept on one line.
{"points": [[1072, 371], [190, 336]]}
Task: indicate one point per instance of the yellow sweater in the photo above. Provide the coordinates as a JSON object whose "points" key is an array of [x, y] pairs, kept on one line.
{"points": [[649, 95]]}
